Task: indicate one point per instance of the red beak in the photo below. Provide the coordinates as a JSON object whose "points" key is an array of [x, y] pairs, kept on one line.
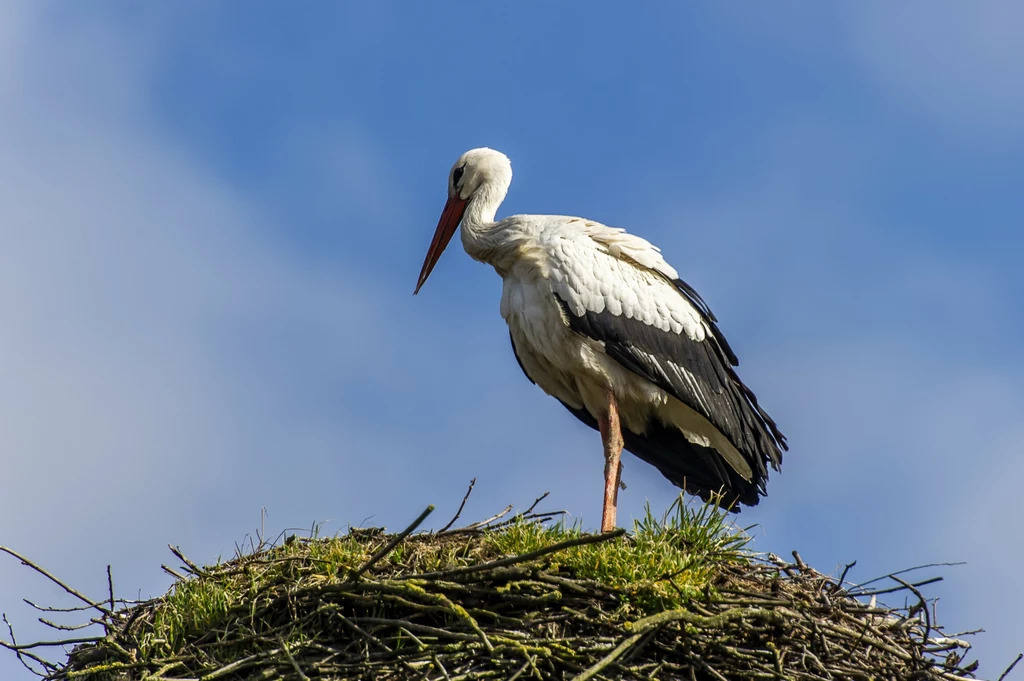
{"points": [[451, 216]]}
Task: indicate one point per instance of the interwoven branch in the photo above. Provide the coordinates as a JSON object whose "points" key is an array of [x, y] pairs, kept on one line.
{"points": [[445, 606]]}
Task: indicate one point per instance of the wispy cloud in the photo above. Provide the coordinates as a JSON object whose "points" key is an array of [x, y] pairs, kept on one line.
{"points": [[166, 365], [956, 65]]}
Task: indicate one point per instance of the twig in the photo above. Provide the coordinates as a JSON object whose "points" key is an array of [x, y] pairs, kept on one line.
{"points": [[434, 658], [422, 628], [532, 517], [172, 572], [924, 607], [616, 652], [239, 664], [43, 608], [714, 622], [519, 672], [512, 560], [65, 627], [365, 634], [291, 659], [192, 567], [77, 594], [906, 570], [50, 644], [893, 589], [1010, 668], [711, 670], [110, 590], [398, 539], [536, 501], [484, 523], [472, 484], [842, 577], [13, 645]]}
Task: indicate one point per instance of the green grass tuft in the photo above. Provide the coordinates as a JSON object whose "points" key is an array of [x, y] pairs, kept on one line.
{"points": [[665, 561]]}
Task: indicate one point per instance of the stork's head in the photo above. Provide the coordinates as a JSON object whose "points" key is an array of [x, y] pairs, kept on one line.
{"points": [[476, 168], [480, 175]]}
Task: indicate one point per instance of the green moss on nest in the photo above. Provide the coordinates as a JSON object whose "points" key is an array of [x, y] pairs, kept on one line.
{"points": [[662, 564], [678, 598]]}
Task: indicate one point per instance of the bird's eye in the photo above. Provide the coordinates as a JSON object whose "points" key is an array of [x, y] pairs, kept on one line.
{"points": [[457, 175]]}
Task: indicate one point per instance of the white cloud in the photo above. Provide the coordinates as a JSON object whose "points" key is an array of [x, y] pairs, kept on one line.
{"points": [[955, 64], [157, 346]]}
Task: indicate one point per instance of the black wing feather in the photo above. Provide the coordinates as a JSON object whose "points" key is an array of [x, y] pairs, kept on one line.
{"points": [[661, 357], [691, 294], [698, 470]]}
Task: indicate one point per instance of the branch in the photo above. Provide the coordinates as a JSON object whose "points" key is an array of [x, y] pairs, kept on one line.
{"points": [[77, 594], [512, 560], [472, 484], [398, 539]]}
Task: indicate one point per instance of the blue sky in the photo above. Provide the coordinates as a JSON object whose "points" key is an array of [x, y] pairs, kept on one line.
{"points": [[213, 217]]}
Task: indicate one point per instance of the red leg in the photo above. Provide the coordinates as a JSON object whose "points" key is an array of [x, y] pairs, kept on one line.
{"points": [[611, 436]]}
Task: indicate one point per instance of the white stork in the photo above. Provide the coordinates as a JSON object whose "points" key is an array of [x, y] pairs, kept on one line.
{"points": [[604, 325]]}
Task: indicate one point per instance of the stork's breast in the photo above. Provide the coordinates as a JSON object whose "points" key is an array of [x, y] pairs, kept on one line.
{"points": [[529, 308]]}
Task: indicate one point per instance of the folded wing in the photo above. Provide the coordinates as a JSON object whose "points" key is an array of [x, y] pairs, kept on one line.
{"points": [[617, 289]]}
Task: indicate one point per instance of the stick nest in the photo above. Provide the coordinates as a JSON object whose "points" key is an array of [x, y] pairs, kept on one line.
{"points": [[514, 598]]}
